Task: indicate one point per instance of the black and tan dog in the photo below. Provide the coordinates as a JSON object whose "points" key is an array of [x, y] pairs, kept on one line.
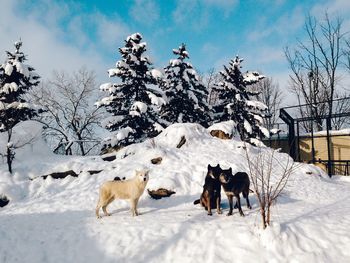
{"points": [[211, 195], [234, 185]]}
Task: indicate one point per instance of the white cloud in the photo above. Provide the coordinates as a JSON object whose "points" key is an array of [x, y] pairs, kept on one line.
{"points": [[145, 11], [285, 25], [48, 47], [196, 13], [110, 33], [210, 49], [221, 3], [335, 8]]}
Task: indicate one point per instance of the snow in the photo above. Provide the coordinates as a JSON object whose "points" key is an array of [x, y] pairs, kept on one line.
{"points": [[134, 37], [8, 69], [105, 101], [252, 77], [113, 72], [21, 68], [155, 100], [247, 126], [227, 127], [156, 74], [256, 104], [137, 108], [264, 131], [9, 87], [174, 62], [54, 221], [324, 133]]}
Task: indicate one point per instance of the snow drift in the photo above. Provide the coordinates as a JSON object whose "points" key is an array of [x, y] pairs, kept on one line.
{"points": [[53, 220]]}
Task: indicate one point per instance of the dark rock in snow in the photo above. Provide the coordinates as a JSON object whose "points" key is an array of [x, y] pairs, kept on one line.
{"points": [[160, 193], [182, 142], [157, 160], [109, 158], [3, 200], [61, 175]]}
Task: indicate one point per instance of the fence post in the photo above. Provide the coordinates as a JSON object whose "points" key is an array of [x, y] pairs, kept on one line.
{"points": [[329, 165]]}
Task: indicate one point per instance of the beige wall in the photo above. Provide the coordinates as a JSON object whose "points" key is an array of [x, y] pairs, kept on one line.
{"points": [[340, 148]]}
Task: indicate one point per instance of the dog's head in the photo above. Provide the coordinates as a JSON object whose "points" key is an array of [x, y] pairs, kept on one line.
{"points": [[214, 171], [142, 175], [225, 175]]}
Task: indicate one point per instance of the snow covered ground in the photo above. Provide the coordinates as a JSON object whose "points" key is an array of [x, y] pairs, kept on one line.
{"points": [[53, 220]]}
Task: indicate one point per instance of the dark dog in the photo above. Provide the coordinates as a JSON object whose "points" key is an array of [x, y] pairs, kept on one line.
{"points": [[211, 195], [117, 178], [234, 185]]}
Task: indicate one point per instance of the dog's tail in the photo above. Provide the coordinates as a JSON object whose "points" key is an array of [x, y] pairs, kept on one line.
{"points": [[196, 202]]}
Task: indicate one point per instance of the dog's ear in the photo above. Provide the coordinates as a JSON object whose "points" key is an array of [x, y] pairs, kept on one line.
{"points": [[230, 170], [209, 166], [218, 166]]}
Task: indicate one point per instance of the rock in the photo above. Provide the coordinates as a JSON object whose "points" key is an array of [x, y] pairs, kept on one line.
{"points": [[182, 142], [160, 193], [3, 200], [109, 158], [220, 134], [61, 175], [157, 160], [94, 172]]}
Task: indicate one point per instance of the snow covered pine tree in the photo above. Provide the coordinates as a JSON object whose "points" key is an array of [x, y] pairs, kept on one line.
{"points": [[16, 79], [133, 102], [187, 96], [236, 104]]}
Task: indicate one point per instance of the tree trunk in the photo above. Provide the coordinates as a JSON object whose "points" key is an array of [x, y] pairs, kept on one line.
{"points": [[268, 215], [81, 145], [263, 216], [9, 159]]}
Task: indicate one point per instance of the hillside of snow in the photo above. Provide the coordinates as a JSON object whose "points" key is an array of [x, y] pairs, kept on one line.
{"points": [[53, 220]]}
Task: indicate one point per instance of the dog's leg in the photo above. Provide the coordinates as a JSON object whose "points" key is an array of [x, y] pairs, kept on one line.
{"points": [[239, 205], [104, 209], [97, 211], [133, 203], [230, 197], [218, 202], [209, 206], [245, 195], [136, 202], [104, 206]]}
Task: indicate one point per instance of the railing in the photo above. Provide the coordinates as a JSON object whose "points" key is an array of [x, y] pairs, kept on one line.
{"points": [[337, 167]]}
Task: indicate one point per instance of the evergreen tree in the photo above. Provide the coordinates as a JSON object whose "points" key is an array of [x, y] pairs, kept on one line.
{"points": [[187, 96], [133, 102], [16, 78], [236, 102]]}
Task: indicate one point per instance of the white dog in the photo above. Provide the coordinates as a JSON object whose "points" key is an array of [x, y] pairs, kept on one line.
{"points": [[130, 189]]}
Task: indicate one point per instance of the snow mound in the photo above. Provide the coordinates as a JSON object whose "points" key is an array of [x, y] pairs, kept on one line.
{"points": [[227, 127], [305, 219], [172, 135]]}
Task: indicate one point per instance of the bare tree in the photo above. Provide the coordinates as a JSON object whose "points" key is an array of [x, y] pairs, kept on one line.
{"points": [[272, 96], [315, 65], [209, 79], [70, 120], [269, 176], [346, 53], [341, 105]]}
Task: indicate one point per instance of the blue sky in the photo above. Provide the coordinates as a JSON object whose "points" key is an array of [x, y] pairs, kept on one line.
{"points": [[69, 34]]}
